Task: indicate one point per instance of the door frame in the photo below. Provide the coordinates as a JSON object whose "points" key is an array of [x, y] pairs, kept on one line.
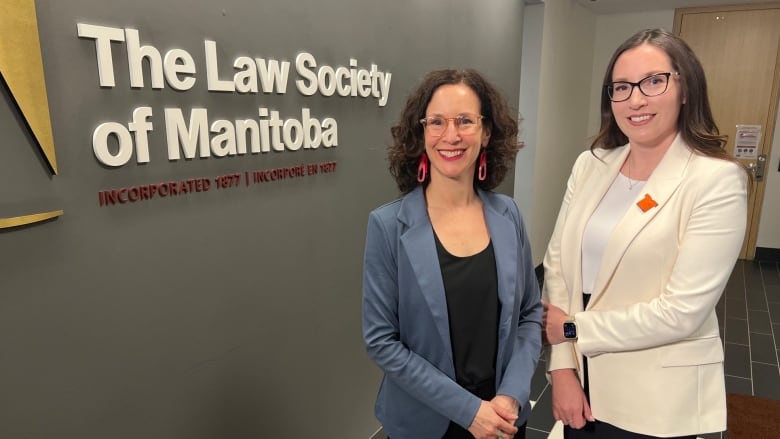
{"points": [[756, 201]]}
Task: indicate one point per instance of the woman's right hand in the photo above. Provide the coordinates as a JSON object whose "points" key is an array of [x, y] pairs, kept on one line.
{"points": [[569, 403], [491, 422]]}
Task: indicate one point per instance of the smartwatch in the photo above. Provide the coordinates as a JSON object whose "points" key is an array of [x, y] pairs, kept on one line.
{"points": [[570, 329]]}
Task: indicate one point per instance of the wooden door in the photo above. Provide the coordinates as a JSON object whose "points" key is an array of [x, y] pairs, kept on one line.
{"points": [[738, 47]]}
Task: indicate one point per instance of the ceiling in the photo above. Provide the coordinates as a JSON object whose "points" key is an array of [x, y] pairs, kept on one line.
{"points": [[622, 6]]}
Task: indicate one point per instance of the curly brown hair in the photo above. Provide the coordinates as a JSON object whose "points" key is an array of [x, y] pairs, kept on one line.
{"points": [[409, 137]]}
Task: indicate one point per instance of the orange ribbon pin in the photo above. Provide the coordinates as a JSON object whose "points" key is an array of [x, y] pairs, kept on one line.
{"points": [[646, 203]]}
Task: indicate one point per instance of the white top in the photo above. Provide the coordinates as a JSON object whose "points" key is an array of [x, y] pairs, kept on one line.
{"points": [[621, 195]]}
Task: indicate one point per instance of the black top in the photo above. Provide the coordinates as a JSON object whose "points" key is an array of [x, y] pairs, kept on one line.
{"points": [[471, 287]]}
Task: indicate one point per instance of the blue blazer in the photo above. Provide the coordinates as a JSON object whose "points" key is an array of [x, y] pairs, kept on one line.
{"points": [[405, 322]]}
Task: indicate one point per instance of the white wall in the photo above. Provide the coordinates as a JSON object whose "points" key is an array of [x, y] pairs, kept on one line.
{"points": [[769, 227], [564, 103]]}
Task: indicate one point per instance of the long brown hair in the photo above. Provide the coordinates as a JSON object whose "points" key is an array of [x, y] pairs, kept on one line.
{"points": [[409, 137], [695, 122]]}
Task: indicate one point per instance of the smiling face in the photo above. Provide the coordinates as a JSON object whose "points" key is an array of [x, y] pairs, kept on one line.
{"points": [[454, 154], [649, 122]]}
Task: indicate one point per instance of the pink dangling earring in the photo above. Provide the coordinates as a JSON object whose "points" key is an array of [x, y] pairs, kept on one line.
{"points": [[482, 170], [422, 168]]}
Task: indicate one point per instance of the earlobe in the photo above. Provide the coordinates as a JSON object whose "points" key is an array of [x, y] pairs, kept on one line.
{"points": [[485, 139]]}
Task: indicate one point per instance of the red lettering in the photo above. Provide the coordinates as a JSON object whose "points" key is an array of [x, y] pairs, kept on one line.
{"points": [[133, 194]]}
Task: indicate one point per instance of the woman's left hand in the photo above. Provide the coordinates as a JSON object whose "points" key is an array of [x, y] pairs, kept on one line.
{"points": [[553, 319]]}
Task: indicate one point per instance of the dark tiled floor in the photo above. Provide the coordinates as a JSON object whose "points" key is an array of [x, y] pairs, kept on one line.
{"points": [[749, 316], [752, 327]]}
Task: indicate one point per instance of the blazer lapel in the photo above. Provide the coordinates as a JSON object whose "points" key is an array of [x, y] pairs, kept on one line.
{"points": [[663, 183], [419, 246], [592, 186], [503, 235]]}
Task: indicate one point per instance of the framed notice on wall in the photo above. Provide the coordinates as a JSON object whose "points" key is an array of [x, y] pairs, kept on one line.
{"points": [[746, 141]]}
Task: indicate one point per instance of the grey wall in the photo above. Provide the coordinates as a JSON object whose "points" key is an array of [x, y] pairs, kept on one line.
{"points": [[533, 22], [224, 314], [563, 99]]}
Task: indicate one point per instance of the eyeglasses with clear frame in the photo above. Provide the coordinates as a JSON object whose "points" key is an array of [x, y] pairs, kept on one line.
{"points": [[464, 124], [652, 85]]}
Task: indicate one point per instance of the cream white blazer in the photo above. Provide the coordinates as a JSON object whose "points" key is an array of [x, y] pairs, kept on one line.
{"points": [[655, 356]]}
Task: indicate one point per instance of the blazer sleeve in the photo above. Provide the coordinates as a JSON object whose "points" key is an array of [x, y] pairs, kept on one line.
{"points": [[554, 289], [709, 245], [381, 334], [516, 380]]}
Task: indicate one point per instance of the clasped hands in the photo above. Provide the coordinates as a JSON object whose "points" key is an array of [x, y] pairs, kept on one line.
{"points": [[496, 418]]}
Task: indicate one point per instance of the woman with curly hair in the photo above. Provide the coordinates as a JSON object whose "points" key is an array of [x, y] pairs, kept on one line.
{"points": [[451, 304]]}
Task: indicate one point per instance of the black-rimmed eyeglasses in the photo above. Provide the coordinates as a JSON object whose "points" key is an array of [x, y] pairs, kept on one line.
{"points": [[652, 85]]}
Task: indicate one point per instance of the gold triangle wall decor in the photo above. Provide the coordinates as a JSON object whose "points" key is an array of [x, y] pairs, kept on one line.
{"points": [[21, 67]]}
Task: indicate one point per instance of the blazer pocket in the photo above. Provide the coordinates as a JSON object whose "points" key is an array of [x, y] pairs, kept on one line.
{"points": [[693, 352]]}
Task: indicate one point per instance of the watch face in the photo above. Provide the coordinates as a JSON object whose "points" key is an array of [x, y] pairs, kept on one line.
{"points": [[569, 330]]}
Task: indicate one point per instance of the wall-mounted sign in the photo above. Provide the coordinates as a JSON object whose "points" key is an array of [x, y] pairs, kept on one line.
{"points": [[747, 141], [191, 133]]}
